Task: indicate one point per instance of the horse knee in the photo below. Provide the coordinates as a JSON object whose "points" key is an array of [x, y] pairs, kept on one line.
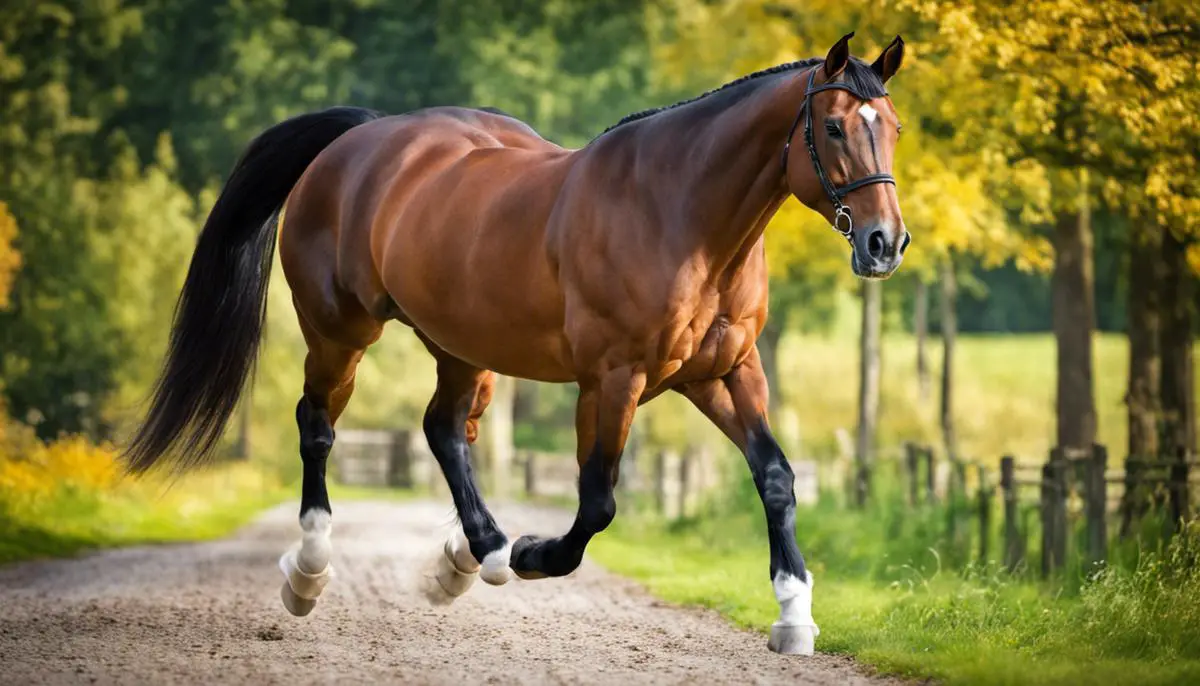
{"points": [[778, 491]]}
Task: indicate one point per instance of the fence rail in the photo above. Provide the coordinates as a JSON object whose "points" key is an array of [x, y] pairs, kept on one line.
{"points": [[674, 481], [1071, 485]]}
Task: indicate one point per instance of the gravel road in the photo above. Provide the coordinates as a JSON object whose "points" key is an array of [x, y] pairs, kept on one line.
{"points": [[210, 613]]}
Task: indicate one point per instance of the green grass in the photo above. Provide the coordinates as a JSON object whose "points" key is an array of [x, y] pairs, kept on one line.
{"points": [[894, 591], [958, 629], [202, 506], [1004, 392]]}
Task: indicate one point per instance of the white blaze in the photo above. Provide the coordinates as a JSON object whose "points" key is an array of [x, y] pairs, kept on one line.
{"points": [[868, 113]]}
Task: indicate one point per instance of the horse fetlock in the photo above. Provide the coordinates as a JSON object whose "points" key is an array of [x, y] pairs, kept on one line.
{"points": [[316, 547]]}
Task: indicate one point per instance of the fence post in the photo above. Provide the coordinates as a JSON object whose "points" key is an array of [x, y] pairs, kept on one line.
{"points": [[1097, 503], [1053, 513], [1060, 468], [930, 471], [1013, 552], [985, 515], [660, 481], [685, 479], [530, 474], [912, 466], [1047, 512], [1178, 475], [399, 472]]}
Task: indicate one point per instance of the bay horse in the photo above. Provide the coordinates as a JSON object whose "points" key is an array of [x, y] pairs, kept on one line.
{"points": [[632, 266]]}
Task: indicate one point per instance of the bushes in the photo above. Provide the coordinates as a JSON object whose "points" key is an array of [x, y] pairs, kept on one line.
{"points": [[59, 497]]}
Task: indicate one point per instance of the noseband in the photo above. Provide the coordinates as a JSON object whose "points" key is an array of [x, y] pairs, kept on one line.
{"points": [[834, 193]]}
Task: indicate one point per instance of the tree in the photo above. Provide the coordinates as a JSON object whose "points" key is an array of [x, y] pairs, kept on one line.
{"points": [[1105, 87]]}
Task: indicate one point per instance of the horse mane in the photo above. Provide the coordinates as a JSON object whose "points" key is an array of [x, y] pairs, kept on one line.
{"points": [[858, 74]]}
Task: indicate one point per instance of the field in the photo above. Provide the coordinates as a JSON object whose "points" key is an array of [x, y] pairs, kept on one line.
{"points": [[1004, 392]]}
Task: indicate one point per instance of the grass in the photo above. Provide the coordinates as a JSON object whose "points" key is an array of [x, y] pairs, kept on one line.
{"points": [[888, 592], [1004, 392], [202, 506]]}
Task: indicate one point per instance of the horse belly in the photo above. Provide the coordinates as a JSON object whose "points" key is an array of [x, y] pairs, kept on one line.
{"points": [[484, 294]]}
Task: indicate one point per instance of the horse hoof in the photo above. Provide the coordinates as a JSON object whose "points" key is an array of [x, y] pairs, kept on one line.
{"points": [[495, 569], [792, 639], [299, 607], [458, 552], [303, 584], [447, 582]]}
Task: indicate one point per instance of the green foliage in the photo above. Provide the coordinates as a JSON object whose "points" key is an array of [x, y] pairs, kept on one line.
{"points": [[119, 118]]}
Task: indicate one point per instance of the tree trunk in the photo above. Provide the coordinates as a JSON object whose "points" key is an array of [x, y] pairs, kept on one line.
{"points": [[921, 329], [1074, 317], [949, 334], [1145, 362], [768, 352], [868, 388], [1178, 401]]}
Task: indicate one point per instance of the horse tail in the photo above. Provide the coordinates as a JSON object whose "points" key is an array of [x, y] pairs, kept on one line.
{"points": [[220, 313]]}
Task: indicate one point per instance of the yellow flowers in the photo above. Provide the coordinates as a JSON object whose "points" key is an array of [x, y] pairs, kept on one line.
{"points": [[32, 471]]}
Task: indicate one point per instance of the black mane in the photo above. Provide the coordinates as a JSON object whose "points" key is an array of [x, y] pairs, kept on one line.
{"points": [[858, 75]]}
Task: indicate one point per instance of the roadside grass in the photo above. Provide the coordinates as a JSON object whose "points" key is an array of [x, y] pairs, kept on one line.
{"points": [[67, 496], [886, 593], [202, 506]]}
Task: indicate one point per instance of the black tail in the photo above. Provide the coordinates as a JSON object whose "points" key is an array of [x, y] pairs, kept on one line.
{"points": [[220, 313]]}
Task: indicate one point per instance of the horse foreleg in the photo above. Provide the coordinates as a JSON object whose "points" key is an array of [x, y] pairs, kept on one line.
{"points": [[737, 404], [603, 416]]}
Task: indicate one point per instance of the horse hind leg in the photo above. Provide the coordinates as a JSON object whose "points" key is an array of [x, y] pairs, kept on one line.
{"points": [[329, 382], [478, 548]]}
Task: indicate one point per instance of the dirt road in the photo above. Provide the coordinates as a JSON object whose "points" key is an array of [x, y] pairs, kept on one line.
{"points": [[210, 613]]}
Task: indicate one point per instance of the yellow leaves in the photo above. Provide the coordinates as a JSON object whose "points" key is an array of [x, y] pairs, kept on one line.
{"points": [[10, 259], [1108, 84], [40, 470]]}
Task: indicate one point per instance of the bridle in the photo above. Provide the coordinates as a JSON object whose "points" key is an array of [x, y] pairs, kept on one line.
{"points": [[834, 193]]}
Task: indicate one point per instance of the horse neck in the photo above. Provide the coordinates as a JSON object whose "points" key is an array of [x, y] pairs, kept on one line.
{"points": [[730, 179]]}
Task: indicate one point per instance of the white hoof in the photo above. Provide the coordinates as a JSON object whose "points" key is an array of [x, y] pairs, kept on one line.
{"points": [[495, 566], [446, 582], [458, 551], [301, 584], [296, 605], [792, 640]]}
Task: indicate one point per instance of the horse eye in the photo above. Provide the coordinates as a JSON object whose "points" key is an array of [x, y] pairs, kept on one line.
{"points": [[834, 129]]}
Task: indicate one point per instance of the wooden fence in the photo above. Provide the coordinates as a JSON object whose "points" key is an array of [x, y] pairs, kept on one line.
{"points": [[1072, 485], [676, 482]]}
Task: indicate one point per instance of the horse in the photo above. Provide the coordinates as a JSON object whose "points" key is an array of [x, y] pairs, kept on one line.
{"points": [[631, 266]]}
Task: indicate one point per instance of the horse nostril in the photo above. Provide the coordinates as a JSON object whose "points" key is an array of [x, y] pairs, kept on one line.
{"points": [[905, 242], [876, 244]]}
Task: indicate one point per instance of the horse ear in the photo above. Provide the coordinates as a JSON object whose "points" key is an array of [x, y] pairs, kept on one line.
{"points": [[838, 58], [889, 60]]}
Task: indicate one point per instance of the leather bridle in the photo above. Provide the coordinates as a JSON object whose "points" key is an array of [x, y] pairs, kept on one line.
{"points": [[834, 193]]}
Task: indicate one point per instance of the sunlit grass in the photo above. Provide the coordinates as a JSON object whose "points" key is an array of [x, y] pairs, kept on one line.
{"points": [[1004, 392], [68, 496], [976, 627]]}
